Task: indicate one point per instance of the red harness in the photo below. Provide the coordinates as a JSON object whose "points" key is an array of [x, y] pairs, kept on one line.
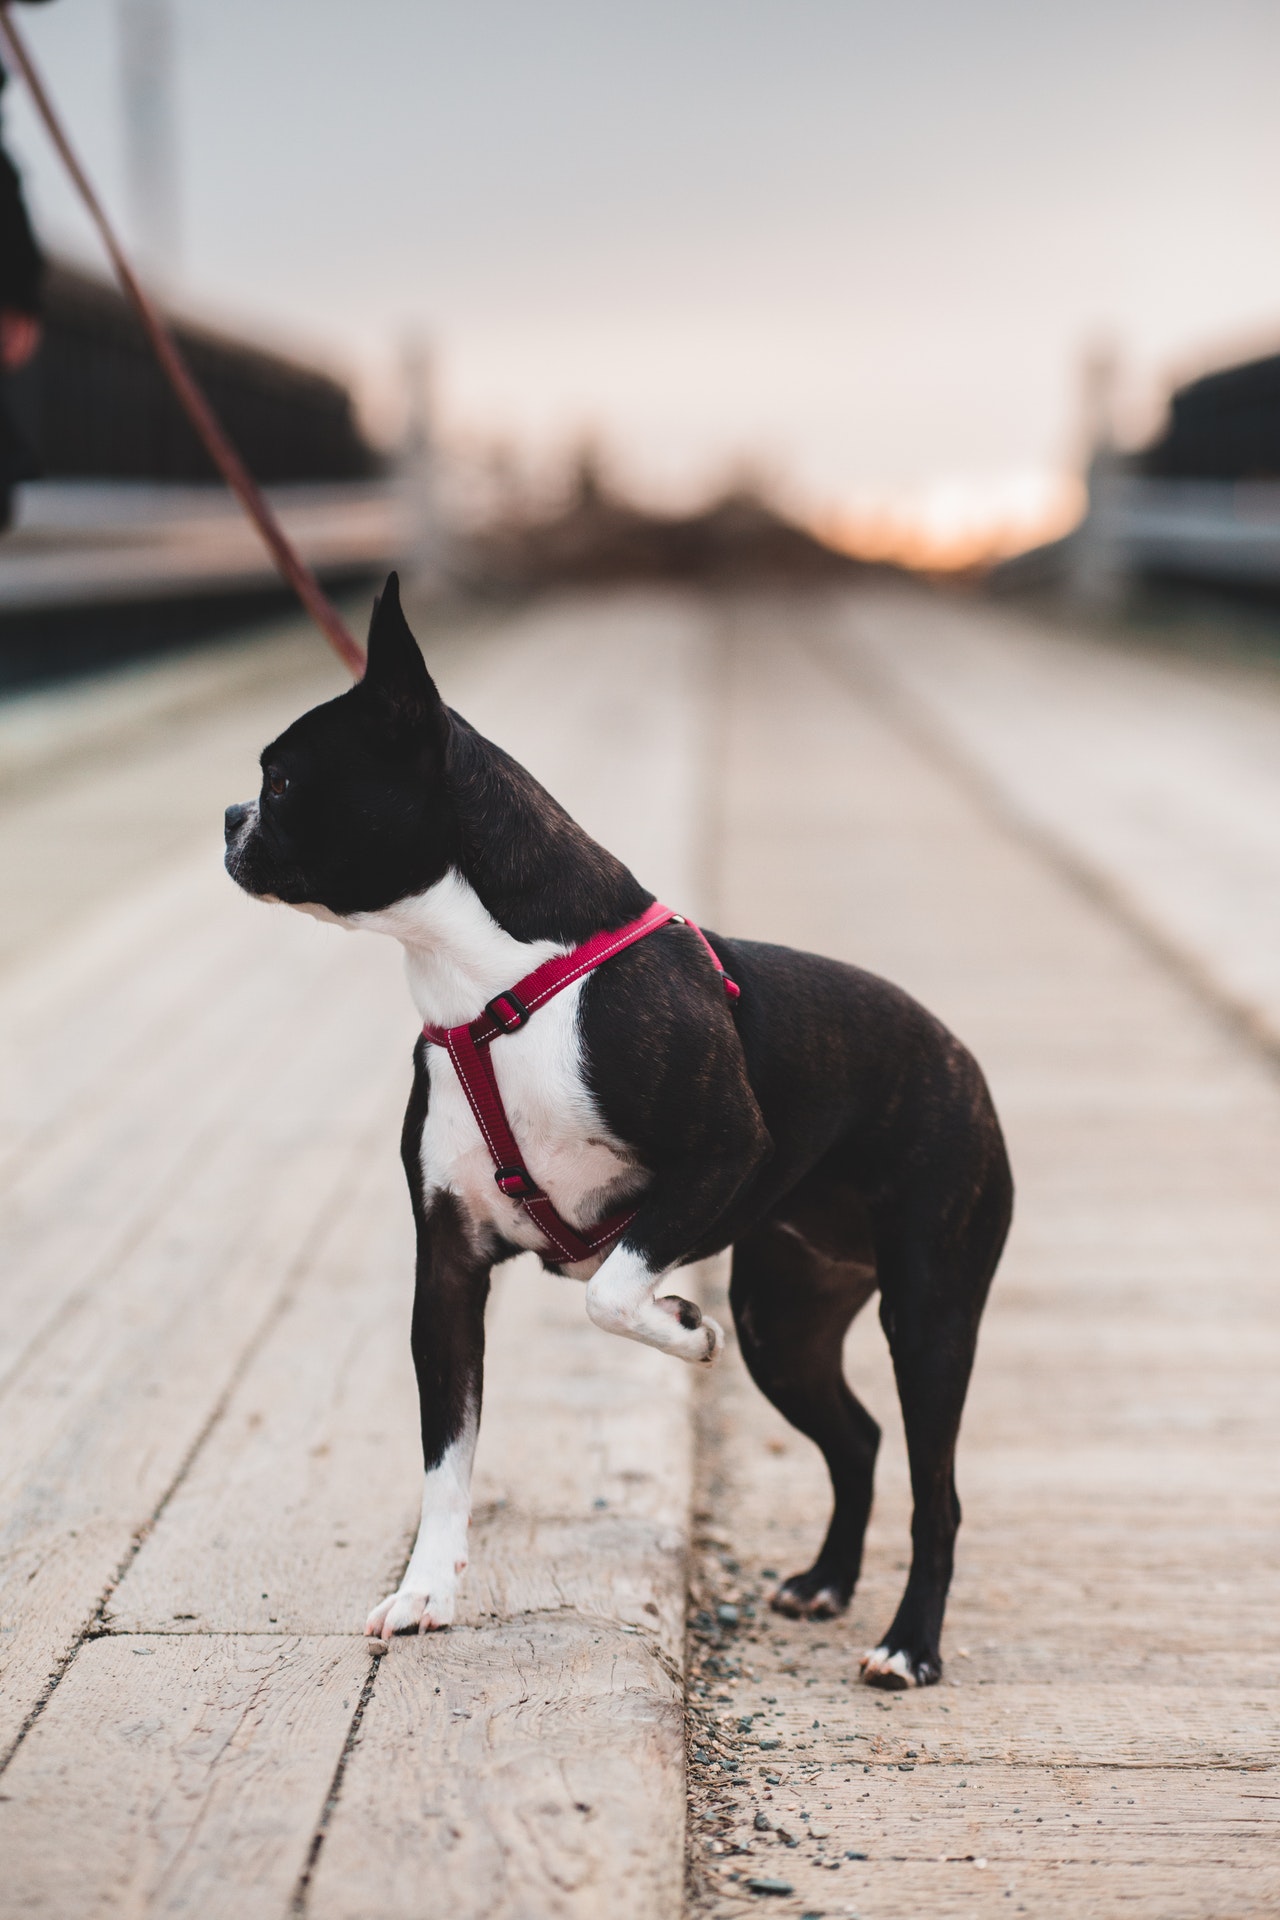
{"points": [[468, 1048]]}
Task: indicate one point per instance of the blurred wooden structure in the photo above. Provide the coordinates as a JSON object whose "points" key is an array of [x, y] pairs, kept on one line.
{"points": [[1200, 504], [95, 405]]}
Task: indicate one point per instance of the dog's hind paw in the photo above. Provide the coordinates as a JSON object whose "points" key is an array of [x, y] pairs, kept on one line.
{"points": [[409, 1612], [894, 1672], [804, 1598]]}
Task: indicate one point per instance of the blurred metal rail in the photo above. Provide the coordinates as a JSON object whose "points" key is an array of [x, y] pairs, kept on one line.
{"points": [[92, 543]]}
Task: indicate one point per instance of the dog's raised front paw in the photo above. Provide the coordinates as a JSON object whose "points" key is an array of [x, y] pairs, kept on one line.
{"points": [[896, 1671], [409, 1612], [709, 1342]]}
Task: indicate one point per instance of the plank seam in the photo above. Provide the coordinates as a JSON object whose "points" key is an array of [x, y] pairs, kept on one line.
{"points": [[301, 1892], [97, 1626], [1242, 1021]]}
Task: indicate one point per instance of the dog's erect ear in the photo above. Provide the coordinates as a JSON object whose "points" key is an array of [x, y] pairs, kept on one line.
{"points": [[396, 670]]}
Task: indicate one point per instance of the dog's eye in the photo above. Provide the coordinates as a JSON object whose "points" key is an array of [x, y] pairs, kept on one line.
{"points": [[276, 781]]}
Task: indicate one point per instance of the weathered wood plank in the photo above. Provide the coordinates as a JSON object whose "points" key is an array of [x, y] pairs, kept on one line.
{"points": [[177, 1776], [96, 825], [938, 1813], [570, 1672], [302, 1505], [241, 1066], [1111, 1633], [1028, 1725], [94, 1435], [295, 1509], [1160, 770], [529, 1767]]}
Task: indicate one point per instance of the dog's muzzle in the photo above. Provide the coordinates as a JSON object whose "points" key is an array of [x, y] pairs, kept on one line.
{"points": [[235, 819], [238, 824]]}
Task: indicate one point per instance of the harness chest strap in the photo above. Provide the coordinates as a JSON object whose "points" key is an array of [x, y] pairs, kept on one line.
{"points": [[468, 1048]]}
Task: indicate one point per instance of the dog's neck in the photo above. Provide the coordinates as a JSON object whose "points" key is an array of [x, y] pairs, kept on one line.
{"points": [[536, 871], [456, 954], [527, 883]]}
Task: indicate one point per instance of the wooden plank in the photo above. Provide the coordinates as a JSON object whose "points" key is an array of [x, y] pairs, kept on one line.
{"points": [[1111, 1634], [295, 1504], [94, 1008], [115, 1163], [103, 716], [1039, 1725], [177, 1776], [938, 1813], [531, 1766], [300, 1509], [80, 837], [1157, 768], [570, 1672], [96, 1432]]}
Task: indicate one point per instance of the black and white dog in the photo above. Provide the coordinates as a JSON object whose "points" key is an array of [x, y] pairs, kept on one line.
{"points": [[824, 1126]]}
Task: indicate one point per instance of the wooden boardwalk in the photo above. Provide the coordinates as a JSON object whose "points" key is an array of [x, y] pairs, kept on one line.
{"points": [[207, 1456], [1107, 1736]]}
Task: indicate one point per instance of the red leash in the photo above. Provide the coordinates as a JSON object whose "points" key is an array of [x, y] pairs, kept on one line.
{"points": [[468, 1048], [199, 412]]}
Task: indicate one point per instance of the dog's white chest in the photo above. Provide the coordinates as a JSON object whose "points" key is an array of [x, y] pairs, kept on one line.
{"points": [[563, 1140], [458, 958]]}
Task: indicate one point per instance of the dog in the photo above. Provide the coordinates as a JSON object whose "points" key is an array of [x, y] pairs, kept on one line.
{"points": [[821, 1124]]}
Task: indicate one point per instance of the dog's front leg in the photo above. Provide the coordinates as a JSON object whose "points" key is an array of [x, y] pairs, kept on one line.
{"points": [[678, 1215], [448, 1357]]}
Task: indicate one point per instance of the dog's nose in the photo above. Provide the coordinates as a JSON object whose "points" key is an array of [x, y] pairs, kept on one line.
{"points": [[234, 819]]}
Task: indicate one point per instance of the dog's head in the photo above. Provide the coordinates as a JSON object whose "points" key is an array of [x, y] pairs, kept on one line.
{"points": [[354, 812]]}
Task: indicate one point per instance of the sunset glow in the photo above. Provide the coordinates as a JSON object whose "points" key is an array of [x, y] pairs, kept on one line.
{"points": [[956, 524]]}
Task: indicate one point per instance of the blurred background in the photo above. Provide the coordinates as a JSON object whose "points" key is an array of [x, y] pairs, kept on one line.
{"points": [[934, 285]]}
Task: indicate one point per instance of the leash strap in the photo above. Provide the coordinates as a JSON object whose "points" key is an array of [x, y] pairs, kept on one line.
{"points": [[468, 1048]]}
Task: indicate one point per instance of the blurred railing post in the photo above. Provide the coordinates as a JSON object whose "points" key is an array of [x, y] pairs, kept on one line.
{"points": [[424, 558], [1099, 560]]}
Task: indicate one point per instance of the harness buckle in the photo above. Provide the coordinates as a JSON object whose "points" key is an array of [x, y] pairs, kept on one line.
{"points": [[507, 1011], [516, 1184]]}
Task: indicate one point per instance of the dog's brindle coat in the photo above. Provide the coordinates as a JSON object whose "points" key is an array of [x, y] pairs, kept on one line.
{"points": [[828, 1129]]}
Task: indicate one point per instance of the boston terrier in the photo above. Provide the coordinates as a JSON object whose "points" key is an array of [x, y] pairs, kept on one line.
{"points": [[821, 1123]]}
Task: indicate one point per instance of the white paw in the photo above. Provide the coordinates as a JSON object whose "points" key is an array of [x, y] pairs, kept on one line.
{"points": [[879, 1665], [699, 1340], [407, 1612], [714, 1342]]}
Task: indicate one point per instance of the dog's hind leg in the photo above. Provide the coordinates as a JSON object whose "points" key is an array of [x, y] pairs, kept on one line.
{"points": [[932, 1291], [792, 1306]]}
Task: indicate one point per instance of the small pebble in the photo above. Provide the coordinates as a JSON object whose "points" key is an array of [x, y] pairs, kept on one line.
{"points": [[763, 1883], [727, 1615], [763, 1823]]}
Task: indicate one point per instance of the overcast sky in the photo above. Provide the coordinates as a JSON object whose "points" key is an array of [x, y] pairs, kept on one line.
{"points": [[864, 245]]}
